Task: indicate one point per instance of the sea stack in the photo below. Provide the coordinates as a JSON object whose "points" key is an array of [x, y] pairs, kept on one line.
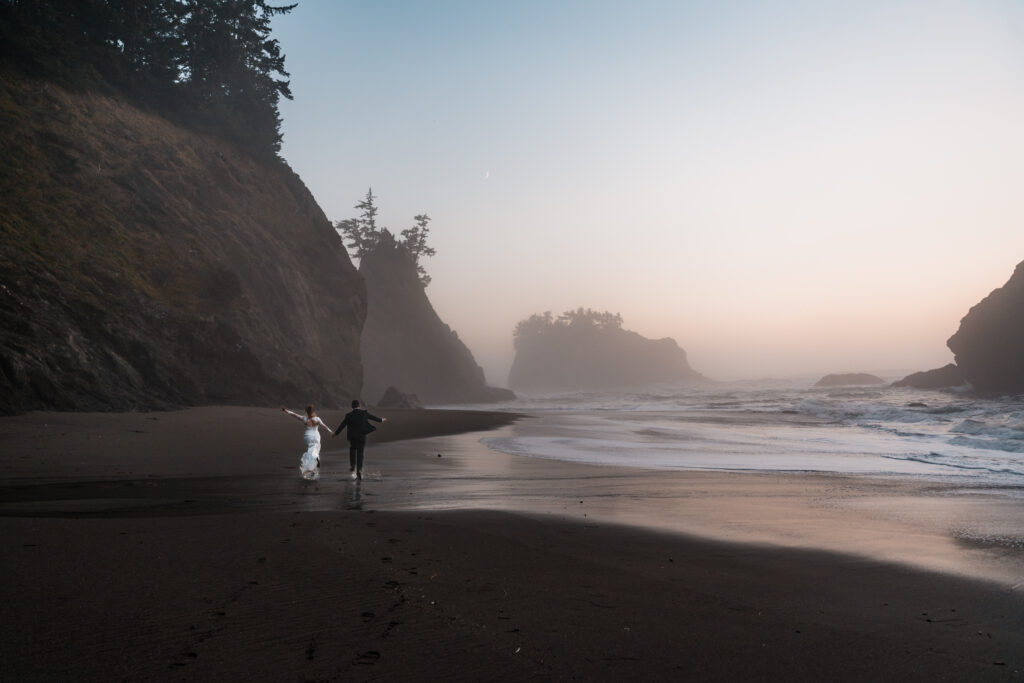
{"points": [[989, 346], [586, 350], [406, 344]]}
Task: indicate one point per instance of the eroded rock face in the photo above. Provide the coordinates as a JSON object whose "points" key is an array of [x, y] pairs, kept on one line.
{"points": [[144, 266], [406, 344], [989, 346]]}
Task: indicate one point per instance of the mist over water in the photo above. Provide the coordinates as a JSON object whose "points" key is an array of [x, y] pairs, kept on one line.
{"points": [[780, 426], [779, 189]]}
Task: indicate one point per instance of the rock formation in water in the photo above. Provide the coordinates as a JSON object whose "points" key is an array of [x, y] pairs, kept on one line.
{"points": [[945, 377], [145, 266], [586, 350], [405, 344], [393, 398], [849, 379], [989, 346]]}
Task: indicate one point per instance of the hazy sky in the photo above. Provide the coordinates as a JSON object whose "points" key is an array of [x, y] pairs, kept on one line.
{"points": [[783, 187]]}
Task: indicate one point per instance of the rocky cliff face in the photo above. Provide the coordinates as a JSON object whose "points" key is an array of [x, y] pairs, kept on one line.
{"points": [[143, 266], [586, 358], [406, 345], [989, 346]]}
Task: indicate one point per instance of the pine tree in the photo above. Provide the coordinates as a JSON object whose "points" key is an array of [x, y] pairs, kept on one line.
{"points": [[414, 241], [361, 232]]}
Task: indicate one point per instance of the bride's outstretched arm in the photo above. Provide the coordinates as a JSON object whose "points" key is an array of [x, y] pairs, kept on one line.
{"points": [[295, 415], [321, 423]]}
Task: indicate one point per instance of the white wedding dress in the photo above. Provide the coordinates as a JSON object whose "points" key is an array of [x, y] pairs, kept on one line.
{"points": [[309, 463]]}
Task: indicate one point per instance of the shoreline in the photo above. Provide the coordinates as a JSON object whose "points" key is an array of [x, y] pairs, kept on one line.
{"points": [[187, 546]]}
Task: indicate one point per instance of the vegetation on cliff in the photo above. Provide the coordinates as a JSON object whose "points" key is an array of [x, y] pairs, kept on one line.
{"points": [[585, 349], [210, 65], [365, 236]]}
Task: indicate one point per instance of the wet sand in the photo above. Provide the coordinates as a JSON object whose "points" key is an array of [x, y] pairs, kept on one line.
{"points": [[170, 546]]}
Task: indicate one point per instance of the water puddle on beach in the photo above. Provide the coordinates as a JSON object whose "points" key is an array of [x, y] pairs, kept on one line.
{"points": [[970, 531]]}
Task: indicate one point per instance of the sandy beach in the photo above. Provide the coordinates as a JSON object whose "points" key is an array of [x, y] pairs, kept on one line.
{"points": [[184, 546]]}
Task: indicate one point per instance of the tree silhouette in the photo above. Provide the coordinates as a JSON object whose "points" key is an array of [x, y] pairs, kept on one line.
{"points": [[581, 321], [362, 232], [212, 64], [414, 240], [364, 236]]}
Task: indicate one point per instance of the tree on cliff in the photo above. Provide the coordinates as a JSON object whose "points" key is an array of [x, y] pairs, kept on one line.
{"points": [[213, 65], [415, 241], [365, 236], [361, 232]]}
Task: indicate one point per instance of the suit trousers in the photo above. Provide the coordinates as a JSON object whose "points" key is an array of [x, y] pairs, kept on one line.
{"points": [[355, 453]]}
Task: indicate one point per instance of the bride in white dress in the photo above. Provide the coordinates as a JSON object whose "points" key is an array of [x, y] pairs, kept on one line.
{"points": [[309, 464]]}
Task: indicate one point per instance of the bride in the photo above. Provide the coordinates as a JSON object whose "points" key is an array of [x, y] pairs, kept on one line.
{"points": [[309, 464]]}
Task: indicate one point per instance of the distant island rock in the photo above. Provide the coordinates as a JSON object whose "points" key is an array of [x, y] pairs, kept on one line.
{"points": [[848, 379], [987, 346], [585, 350], [406, 344], [144, 265]]}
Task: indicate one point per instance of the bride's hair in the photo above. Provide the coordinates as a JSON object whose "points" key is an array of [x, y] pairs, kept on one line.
{"points": [[310, 410]]}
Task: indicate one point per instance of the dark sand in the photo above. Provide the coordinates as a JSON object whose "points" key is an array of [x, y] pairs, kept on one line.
{"points": [[183, 545]]}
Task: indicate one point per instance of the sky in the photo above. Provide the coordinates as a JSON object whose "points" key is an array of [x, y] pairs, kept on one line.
{"points": [[784, 188]]}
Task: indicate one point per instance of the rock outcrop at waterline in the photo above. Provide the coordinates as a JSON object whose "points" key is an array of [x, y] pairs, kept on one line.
{"points": [[989, 346], [145, 266], [406, 344], [947, 376]]}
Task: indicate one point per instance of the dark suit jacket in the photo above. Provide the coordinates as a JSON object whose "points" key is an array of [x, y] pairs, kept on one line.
{"points": [[358, 423]]}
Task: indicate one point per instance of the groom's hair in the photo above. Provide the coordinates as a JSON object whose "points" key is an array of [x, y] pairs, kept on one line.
{"points": [[355, 403]]}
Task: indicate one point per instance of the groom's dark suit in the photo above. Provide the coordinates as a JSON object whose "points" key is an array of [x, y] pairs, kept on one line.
{"points": [[358, 423]]}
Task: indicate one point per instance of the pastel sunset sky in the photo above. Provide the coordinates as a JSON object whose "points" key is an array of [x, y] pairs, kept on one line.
{"points": [[786, 188]]}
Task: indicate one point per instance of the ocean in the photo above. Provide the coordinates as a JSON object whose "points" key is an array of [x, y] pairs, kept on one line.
{"points": [[782, 426]]}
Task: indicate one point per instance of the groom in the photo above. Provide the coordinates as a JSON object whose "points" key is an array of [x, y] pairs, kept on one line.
{"points": [[358, 423]]}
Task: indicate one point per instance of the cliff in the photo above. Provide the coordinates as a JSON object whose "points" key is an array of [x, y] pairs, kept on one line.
{"points": [[989, 345], [145, 266], [552, 356], [406, 345]]}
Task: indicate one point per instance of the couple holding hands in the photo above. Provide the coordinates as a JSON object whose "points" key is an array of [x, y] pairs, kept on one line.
{"points": [[358, 423]]}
